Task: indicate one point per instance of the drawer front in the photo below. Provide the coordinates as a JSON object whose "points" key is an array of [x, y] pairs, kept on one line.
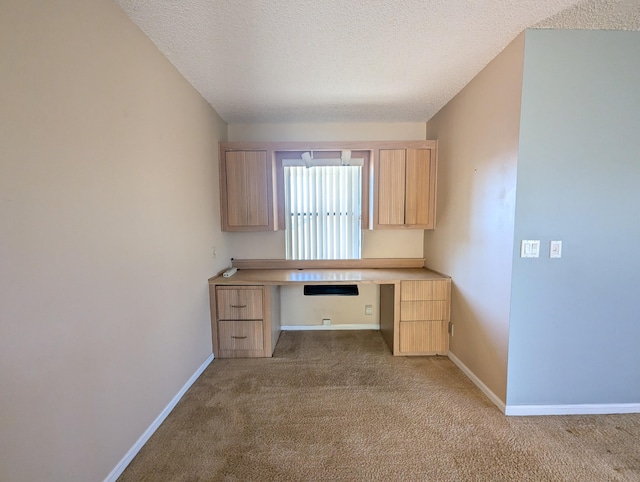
{"points": [[424, 310], [425, 290], [240, 335], [239, 303], [424, 337]]}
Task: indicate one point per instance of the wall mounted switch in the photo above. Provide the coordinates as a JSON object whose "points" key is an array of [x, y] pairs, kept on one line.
{"points": [[530, 248], [555, 249]]}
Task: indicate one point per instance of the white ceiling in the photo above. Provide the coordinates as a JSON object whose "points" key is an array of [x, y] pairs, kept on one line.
{"points": [[348, 60]]}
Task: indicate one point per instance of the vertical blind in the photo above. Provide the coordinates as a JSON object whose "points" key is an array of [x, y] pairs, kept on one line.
{"points": [[323, 212]]}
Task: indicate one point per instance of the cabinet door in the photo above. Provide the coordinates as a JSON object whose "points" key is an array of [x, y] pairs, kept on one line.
{"points": [[418, 187], [391, 186], [246, 190], [405, 188]]}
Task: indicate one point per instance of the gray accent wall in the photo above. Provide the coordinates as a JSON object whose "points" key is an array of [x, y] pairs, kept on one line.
{"points": [[575, 322]]}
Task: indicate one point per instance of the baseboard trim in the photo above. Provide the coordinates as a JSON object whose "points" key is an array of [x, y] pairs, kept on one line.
{"points": [[355, 326], [575, 409], [536, 410], [126, 460], [472, 376]]}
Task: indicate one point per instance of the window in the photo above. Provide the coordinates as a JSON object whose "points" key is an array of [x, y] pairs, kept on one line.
{"points": [[323, 207]]}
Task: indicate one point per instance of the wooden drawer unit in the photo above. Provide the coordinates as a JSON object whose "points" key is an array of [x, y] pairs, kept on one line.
{"points": [[424, 317], [245, 335], [239, 303], [425, 290], [424, 310], [424, 337], [243, 320]]}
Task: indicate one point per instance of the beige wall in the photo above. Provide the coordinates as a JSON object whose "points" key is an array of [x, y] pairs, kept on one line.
{"points": [[109, 213], [477, 136], [299, 310], [329, 131]]}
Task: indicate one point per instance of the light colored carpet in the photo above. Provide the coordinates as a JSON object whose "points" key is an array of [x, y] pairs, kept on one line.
{"points": [[336, 405]]}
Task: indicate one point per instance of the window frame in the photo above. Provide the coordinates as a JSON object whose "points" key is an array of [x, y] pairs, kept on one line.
{"points": [[324, 153], [324, 210]]}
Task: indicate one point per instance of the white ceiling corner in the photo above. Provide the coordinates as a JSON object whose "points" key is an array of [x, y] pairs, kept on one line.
{"points": [[347, 61]]}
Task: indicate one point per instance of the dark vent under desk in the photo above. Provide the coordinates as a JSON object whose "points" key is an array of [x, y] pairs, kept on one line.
{"points": [[334, 290]]}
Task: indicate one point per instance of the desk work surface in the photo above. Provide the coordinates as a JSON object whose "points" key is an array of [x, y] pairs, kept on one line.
{"points": [[321, 276]]}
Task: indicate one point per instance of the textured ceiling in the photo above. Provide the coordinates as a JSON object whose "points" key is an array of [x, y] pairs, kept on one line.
{"points": [[342, 60]]}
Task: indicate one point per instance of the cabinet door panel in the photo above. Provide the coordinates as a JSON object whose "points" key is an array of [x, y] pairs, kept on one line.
{"points": [[391, 186], [247, 185], [418, 185]]}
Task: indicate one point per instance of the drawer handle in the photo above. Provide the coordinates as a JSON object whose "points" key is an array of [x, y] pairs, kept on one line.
{"points": [[238, 306], [238, 337]]}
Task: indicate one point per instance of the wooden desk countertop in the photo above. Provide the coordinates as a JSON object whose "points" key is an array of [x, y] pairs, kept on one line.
{"points": [[325, 276]]}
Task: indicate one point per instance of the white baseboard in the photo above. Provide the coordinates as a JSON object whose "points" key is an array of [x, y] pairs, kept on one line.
{"points": [[472, 376], [355, 326], [532, 410], [126, 460], [575, 409]]}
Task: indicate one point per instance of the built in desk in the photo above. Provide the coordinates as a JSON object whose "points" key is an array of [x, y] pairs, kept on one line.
{"points": [[414, 303]]}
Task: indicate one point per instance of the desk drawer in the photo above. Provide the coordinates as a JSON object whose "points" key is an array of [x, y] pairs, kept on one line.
{"points": [[239, 303], [424, 310], [424, 337], [240, 335], [425, 290]]}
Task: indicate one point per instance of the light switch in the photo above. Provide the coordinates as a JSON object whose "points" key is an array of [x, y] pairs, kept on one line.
{"points": [[555, 249], [530, 248]]}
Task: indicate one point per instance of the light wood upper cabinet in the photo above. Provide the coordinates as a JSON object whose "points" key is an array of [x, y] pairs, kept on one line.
{"points": [[246, 190], [418, 203], [402, 187], [391, 189], [405, 188]]}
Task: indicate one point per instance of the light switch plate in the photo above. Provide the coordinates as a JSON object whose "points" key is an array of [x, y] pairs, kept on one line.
{"points": [[555, 249], [530, 248]]}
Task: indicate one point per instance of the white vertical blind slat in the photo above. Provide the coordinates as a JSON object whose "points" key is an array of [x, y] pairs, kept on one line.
{"points": [[287, 220]]}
